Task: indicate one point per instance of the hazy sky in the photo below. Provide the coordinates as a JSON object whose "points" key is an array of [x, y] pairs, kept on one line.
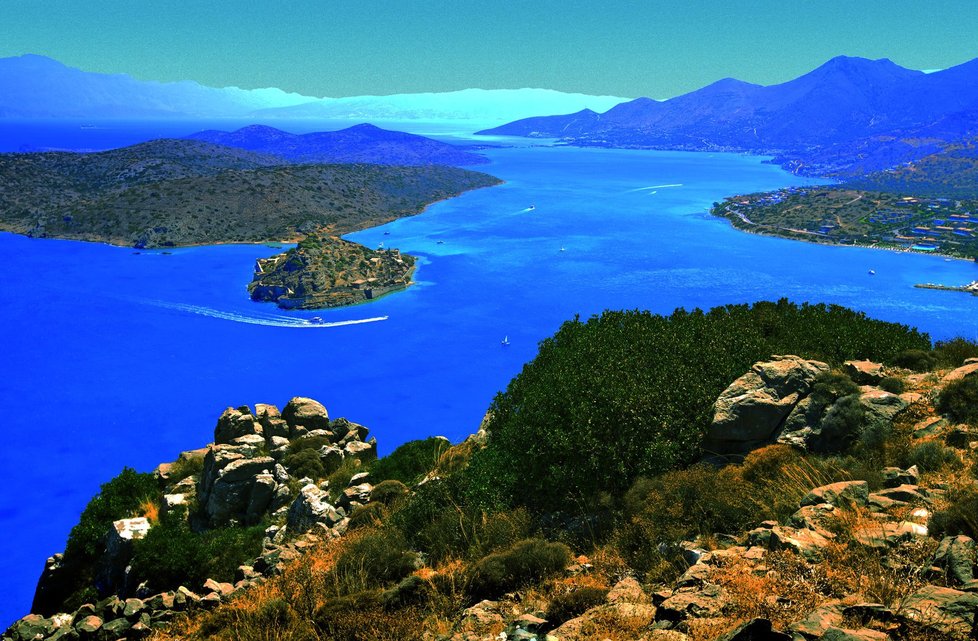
{"points": [[338, 47]]}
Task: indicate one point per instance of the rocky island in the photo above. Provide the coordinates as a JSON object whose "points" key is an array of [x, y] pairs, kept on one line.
{"points": [[327, 271]]}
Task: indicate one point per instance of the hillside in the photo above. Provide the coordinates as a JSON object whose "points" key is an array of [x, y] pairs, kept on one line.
{"points": [[326, 271], [850, 112], [813, 480], [363, 143], [183, 192], [950, 173]]}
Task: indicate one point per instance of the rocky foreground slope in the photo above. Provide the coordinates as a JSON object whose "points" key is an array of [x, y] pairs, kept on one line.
{"points": [[862, 553]]}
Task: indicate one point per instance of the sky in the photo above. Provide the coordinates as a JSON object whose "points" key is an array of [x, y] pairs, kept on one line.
{"points": [[335, 48]]}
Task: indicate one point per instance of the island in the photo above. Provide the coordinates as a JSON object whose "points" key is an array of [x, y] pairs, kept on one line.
{"points": [[173, 193], [327, 271], [971, 288]]}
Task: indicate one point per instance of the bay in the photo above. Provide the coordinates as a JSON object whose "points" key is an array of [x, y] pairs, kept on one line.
{"points": [[116, 358]]}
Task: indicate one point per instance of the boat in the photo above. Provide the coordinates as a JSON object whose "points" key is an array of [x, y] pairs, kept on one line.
{"points": [[562, 248], [315, 320], [505, 340], [387, 233], [531, 207], [441, 242], [872, 272]]}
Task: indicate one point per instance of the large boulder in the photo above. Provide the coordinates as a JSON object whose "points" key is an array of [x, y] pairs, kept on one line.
{"points": [[235, 487], [111, 574], [944, 610], [311, 509], [304, 414], [839, 494], [864, 372], [955, 556], [235, 423], [969, 369], [751, 411]]}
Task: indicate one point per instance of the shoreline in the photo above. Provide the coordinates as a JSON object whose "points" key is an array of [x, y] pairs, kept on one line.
{"points": [[828, 243]]}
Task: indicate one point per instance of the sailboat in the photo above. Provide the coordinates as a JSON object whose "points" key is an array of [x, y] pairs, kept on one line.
{"points": [[505, 340]]}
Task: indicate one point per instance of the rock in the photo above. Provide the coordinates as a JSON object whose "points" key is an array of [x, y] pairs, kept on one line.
{"points": [[481, 616], [956, 556], [52, 588], [224, 589], [895, 477], [331, 457], [356, 495], [881, 407], [944, 610], [31, 627], [813, 517], [862, 634], [750, 412], [961, 373], [961, 437], [364, 452], [628, 590], [707, 601], [929, 426], [235, 486], [89, 625], [695, 575], [310, 509], [755, 630], [306, 414], [234, 423], [887, 534], [133, 608], [839, 494], [110, 575], [271, 421], [116, 628], [819, 620], [262, 493], [864, 372], [903, 494]]}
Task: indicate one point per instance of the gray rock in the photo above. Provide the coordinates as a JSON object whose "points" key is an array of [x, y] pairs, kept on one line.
{"points": [[234, 423], [864, 372], [752, 410], [364, 452], [755, 630], [839, 494], [110, 576], [956, 556], [894, 476], [331, 457], [309, 509], [944, 610], [305, 413], [262, 494], [271, 421]]}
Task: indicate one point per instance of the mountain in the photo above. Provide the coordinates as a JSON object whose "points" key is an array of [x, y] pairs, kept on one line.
{"points": [[476, 105], [183, 192], [34, 86], [361, 143], [38, 87], [814, 123]]}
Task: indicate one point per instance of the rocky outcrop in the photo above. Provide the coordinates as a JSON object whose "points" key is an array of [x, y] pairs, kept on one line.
{"points": [[752, 410], [864, 372]]}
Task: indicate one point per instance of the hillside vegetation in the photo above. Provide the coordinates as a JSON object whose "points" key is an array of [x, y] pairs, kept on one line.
{"points": [[584, 509], [169, 193]]}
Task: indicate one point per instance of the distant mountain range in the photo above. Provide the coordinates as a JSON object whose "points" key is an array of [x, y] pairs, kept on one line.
{"points": [[847, 117], [34, 86], [361, 143]]}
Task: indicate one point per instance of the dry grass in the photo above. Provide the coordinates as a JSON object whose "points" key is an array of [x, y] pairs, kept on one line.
{"points": [[149, 509]]}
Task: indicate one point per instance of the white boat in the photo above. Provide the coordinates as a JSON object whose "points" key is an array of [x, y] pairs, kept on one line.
{"points": [[531, 207], [872, 272], [315, 320], [562, 248], [505, 340]]}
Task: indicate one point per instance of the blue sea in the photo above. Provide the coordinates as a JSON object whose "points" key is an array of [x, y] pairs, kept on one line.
{"points": [[115, 358]]}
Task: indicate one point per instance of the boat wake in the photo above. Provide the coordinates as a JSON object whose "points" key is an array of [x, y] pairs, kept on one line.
{"points": [[268, 320], [654, 187]]}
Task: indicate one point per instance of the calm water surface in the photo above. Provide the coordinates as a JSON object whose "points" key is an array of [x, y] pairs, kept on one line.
{"points": [[115, 358]]}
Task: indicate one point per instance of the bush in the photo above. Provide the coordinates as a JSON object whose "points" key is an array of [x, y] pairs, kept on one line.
{"points": [[635, 391], [959, 400], [523, 564], [831, 386], [931, 456], [917, 360], [369, 515], [172, 554], [411, 461], [304, 463], [387, 492], [842, 425], [377, 558], [892, 384], [953, 353], [960, 517], [569, 605], [185, 466], [118, 499], [362, 617]]}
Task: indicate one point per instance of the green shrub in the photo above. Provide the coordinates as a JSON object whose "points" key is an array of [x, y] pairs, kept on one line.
{"points": [[369, 515], [363, 617], [831, 386], [635, 391], [410, 462], [568, 605], [952, 353], [387, 492], [842, 425], [185, 466], [118, 499], [412, 590], [917, 360], [304, 463], [959, 400], [171, 554], [930, 456], [960, 517], [892, 384], [377, 558], [523, 564]]}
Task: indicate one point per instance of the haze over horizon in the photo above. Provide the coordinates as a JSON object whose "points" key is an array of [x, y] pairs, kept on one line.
{"points": [[344, 48]]}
